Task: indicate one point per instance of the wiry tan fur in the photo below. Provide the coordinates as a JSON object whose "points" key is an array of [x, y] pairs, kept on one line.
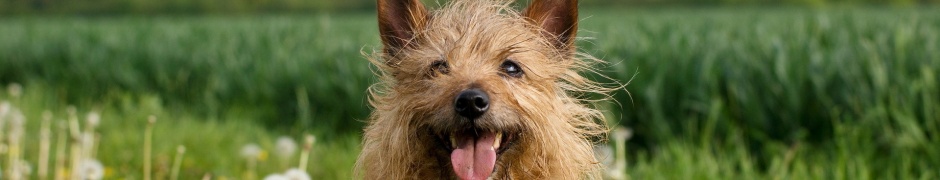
{"points": [[545, 109]]}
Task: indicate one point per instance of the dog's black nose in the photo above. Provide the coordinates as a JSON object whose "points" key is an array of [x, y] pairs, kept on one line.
{"points": [[471, 103]]}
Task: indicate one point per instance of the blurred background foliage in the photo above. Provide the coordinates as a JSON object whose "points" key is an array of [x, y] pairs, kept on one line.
{"points": [[719, 89], [100, 7]]}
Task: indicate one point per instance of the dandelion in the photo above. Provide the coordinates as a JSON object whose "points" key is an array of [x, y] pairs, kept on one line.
{"points": [[87, 142], [90, 169], [17, 124], [251, 152], [291, 174], [93, 119], [61, 143], [275, 177], [604, 154], [88, 138], [5, 109], [45, 138], [148, 144], [177, 162], [296, 174], [73, 121], [15, 90], [22, 170], [75, 148], [308, 145], [620, 136], [286, 147], [17, 130]]}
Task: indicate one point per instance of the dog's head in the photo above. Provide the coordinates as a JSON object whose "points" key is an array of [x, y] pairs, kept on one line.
{"points": [[482, 90]]}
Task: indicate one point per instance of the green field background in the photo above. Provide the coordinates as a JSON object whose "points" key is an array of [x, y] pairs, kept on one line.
{"points": [[713, 93]]}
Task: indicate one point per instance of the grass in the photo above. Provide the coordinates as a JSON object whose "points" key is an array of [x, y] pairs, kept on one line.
{"points": [[213, 146], [717, 93]]}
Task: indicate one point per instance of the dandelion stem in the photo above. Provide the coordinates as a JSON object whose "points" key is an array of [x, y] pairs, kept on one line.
{"points": [[89, 140], [305, 155], [16, 132], [177, 162], [148, 144], [44, 143], [75, 146], [61, 143]]}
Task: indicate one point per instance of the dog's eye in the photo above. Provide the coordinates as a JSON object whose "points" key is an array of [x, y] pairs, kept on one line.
{"points": [[511, 68], [439, 66]]}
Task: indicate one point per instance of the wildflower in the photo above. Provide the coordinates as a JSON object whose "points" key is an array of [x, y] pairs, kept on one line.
{"points": [[622, 134], [93, 119], [87, 141], [251, 151], [296, 174], [285, 147], [15, 90], [617, 170], [23, 169], [305, 155], [604, 154], [90, 169], [5, 108], [275, 177], [17, 124], [177, 162]]}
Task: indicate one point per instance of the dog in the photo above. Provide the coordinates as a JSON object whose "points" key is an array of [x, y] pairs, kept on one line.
{"points": [[478, 90]]}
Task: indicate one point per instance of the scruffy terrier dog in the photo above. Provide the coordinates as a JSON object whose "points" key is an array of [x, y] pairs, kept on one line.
{"points": [[478, 90]]}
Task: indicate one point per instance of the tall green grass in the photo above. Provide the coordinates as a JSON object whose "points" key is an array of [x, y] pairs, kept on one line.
{"points": [[784, 92], [203, 64], [718, 93]]}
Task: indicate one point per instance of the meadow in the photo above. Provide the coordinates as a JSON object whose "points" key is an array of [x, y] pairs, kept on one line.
{"points": [[713, 93]]}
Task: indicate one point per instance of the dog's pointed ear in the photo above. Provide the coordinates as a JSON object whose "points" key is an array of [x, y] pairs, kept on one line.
{"points": [[558, 19], [398, 21]]}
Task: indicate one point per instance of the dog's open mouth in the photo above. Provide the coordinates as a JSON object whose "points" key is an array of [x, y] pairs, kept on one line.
{"points": [[473, 153]]}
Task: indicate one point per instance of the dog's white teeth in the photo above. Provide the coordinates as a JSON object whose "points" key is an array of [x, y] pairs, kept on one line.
{"points": [[453, 141], [499, 137]]}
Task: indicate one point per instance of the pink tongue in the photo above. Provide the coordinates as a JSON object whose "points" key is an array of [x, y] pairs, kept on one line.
{"points": [[474, 160]]}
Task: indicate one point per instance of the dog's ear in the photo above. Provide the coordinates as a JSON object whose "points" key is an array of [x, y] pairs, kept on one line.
{"points": [[398, 21], [558, 19]]}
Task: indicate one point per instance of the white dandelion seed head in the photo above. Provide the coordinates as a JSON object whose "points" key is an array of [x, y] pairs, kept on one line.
{"points": [[308, 142], [93, 119], [604, 154], [285, 147], [275, 177], [90, 169], [15, 90], [5, 109], [296, 174], [622, 134], [251, 151], [152, 119], [25, 169], [71, 110]]}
